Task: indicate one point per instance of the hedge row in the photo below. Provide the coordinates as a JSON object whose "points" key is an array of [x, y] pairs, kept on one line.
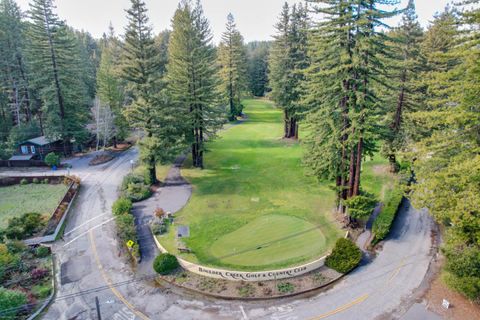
{"points": [[122, 211], [383, 223]]}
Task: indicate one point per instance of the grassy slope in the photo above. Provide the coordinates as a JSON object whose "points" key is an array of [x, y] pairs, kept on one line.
{"points": [[251, 175], [376, 177], [19, 199]]}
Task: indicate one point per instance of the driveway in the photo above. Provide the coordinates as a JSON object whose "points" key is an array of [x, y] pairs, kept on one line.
{"points": [[89, 265]]}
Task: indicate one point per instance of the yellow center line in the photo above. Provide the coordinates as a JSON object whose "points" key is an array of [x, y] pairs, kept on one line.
{"points": [[342, 308], [110, 283], [361, 298]]}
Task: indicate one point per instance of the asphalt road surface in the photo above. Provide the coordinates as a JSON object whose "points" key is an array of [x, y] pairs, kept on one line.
{"points": [[89, 265]]}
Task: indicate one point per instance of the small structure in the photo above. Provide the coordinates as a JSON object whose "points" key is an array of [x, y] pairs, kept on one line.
{"points": [[183, 232], [39, 147]]}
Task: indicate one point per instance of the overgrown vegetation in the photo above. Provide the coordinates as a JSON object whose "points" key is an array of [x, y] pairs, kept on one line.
{"points": [[25, 274], [345, 256]]}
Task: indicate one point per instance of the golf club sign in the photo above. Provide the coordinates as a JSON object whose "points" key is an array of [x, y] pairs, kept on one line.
{"points": [[245, 275]]}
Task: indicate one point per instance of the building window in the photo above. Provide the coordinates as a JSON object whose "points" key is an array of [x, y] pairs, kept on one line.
{"points": [[24, 150], [33, 149]]}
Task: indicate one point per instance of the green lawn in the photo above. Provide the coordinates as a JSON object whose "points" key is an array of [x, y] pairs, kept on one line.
{"points": [[19, 199], [253, 208]]}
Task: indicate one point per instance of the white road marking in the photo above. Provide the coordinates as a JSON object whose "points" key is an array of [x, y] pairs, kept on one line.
{"points": [[86, 222], [84, 233], [243, 313]]}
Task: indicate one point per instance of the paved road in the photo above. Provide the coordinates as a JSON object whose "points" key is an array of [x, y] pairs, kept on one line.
{"points": [[90, 266]]}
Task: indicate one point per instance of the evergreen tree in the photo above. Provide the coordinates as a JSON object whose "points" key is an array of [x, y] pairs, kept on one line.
{"points": [[56, 66], [405, 92], [14, 82], [446, 148], [191, 78], [288, 58], [257, 67], [232, 63], [344, 111], [140, 70]]}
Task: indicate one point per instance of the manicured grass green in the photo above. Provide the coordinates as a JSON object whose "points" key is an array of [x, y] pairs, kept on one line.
{"points": [[272, 242], [19, 199], [254, 191]]}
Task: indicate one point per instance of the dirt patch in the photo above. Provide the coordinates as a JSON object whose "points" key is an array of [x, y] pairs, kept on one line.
{"points": [[460, 307], [225, 289], [381, 170]]}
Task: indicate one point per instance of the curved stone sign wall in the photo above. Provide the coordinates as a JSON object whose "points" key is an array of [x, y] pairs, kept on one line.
{"points": [[245, 275]]}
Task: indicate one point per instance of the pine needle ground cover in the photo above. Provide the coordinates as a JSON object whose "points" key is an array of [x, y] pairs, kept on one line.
{"points": [[19, 199], [253, 208]]}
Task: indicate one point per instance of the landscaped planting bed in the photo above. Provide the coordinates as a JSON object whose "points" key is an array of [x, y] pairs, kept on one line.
{"points": [[25, 277], [251, 290]]}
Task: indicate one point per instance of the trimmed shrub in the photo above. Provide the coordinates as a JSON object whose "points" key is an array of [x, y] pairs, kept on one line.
{"points": [[36, 181], [344, 257], [383, 223], [165, 263], [23, 181], [52, 159], [121, 206], [45, 181]]}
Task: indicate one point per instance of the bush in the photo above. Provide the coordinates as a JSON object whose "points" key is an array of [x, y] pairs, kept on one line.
{"points": [[42, 252], [41, 291], [126, 227], [344, 257], [138, 192], [159, 229], [11, 299], [131, 178], [383, 223], [36, 181], [52, 159], [22, 227], [285, 287], [165, 263], [361, 206], [121, 206], [39, 273], [45, 181], [23, 181]]}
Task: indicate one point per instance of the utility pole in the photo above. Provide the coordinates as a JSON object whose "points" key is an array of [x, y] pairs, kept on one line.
{"points": [[97, 304]]}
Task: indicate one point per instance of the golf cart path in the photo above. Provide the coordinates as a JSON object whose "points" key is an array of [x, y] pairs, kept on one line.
{"points": [[171, 197]]}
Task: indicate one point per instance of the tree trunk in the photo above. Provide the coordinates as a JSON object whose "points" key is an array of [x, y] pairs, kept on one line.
{"points": [[358, 171], [286, 123]]}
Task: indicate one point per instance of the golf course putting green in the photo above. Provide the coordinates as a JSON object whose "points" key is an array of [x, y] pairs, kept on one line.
{"points": [[269, 239], [252, 207]]}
